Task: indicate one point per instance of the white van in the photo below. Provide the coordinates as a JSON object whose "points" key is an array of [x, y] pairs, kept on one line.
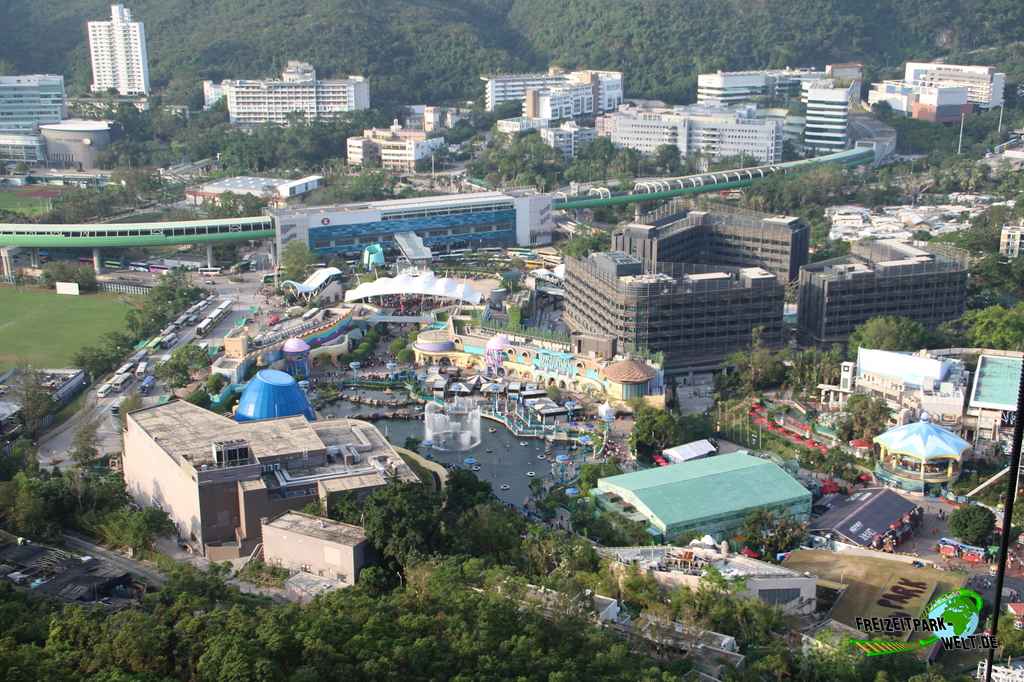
{"points": [[103, 391]]}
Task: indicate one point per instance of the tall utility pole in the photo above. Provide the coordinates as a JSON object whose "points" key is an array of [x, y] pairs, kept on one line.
{"points": [[961, 142], [1012, 479], [1000, 130]]}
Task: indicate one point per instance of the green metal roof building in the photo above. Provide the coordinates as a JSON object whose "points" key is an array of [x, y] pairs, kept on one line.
{"points": [[711, 496]]}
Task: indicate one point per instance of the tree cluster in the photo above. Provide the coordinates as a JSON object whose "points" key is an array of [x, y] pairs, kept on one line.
{"points": [[165, 301], [69, 271], [655, 429]]}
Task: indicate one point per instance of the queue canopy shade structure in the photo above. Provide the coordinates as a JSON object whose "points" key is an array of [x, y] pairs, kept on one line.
{"points": [[426, 284]]}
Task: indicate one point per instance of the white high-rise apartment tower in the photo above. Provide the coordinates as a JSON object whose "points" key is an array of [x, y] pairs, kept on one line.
{"points": [[118, 50]]}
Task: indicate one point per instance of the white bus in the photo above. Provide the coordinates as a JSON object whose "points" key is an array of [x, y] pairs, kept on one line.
{"points": [[209, 271], [140, 371], [205, 326], [168, 341], [120, 381], [310, 314], [126, 368]]}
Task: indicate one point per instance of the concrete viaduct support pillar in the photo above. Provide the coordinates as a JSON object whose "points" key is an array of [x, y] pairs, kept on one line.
{"points": [[97, 261], [5, 262], [33, 255], [209, 255]]}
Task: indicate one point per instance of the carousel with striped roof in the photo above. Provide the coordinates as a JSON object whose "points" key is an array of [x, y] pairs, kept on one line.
{"points": [[920, 456]]}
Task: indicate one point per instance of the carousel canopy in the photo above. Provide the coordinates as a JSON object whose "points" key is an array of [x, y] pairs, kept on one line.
{"points": [[923, 440]]}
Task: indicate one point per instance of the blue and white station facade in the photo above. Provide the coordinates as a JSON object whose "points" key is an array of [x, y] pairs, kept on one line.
{"points": [[444, 222]]}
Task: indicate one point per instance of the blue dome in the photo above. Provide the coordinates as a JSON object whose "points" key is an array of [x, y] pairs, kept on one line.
{"points": [[272, 394]]}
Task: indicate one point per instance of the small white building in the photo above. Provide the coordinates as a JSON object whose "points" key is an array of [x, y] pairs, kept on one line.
{"points": [[521, 124], [698, 449], [1009, 240], [395, 148], [733, 87], [253, 102], [275, 191], [606, 87], [984, 84], [713, 131], [568, 138], [826, 127], [671, 567]]}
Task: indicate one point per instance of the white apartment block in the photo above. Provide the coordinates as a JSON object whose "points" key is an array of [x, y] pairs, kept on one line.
{"points": [[826, 126], [118, 51], [937, 104], [606, 87], [393, 148], [253, 102], [560, 101], [521, 124], [715, 132], [1009, 240], [733, 87], [568, 138], [984, 84], [26, 102]]}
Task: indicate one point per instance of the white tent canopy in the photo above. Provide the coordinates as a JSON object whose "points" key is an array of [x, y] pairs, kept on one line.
{"points": [[426, 284]]}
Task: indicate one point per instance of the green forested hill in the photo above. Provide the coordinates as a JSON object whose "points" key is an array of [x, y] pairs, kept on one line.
{"points": [[434, 50]]}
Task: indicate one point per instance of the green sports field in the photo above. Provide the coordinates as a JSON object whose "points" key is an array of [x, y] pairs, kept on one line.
{"points": [[29, 201], [46, 330]]}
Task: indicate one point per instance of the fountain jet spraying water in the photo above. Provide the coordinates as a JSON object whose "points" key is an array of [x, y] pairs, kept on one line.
{"points": [[452, 426]]}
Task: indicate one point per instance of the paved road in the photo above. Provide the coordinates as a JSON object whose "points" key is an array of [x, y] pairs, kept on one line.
{"points": [[144, 571], [55, 445]]}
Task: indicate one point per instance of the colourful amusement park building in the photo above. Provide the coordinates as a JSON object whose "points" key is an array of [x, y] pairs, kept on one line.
{"points": [[547, 361], [920, 456], [296, 357]]}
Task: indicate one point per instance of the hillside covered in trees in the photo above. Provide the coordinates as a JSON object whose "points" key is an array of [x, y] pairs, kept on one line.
{"points": [[434, 50]]}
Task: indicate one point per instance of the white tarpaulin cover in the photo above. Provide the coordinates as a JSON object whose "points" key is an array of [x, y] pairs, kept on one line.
{"points": [[426, 284]]}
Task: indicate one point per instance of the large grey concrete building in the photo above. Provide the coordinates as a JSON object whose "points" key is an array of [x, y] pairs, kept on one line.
{"points": [[723, 236], [693, 314], [927, 283], [218, 478]]}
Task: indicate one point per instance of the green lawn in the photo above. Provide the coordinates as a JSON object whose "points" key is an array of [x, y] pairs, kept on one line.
{"points": [[27, 205], [45, 330]]}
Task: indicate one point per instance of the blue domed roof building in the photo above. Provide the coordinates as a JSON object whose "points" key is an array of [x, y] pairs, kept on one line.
{"points": [[271, 394], [920, 456]]}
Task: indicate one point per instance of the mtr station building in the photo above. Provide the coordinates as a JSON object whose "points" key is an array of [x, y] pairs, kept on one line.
{"points": [[454, 221], [444, 222]]}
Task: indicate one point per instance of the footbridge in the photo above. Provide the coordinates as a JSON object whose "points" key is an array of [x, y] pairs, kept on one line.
{"points": [[99, 235], [653, 189]]}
